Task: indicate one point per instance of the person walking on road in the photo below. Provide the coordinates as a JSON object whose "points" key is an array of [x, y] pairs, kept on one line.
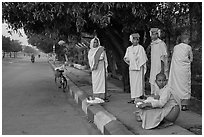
{"points": [[180, 70], [98, 65], [159, 58], [136, 58]]}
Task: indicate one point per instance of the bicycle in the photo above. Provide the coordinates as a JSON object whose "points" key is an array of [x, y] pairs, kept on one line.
{"points": [[60, 79]]}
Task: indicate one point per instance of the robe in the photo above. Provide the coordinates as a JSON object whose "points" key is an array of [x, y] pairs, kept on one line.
{"points": [[180, 70], [98, 58], [151, 118], [136, 57], [158, 54]]}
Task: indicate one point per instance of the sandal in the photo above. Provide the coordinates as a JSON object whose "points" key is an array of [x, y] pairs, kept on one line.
{"points": [[131, 102], [142, 97], [106, 100]]}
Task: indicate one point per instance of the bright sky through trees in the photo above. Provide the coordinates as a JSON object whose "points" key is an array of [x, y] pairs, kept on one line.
{"points": [[14, 36]]}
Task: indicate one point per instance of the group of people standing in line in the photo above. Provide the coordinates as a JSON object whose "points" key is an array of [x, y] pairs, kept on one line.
{"points": [[170, 89]]}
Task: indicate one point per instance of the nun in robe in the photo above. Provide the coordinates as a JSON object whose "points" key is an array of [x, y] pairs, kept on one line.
{"points": [[180, 70], [159, 58], [98, 64], [167, 108], [136, 58]]}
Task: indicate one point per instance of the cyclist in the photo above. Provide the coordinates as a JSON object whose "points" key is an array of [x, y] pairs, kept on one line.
{"points": [[59, 70], [64, 49], [59, 76], [32, 58]]}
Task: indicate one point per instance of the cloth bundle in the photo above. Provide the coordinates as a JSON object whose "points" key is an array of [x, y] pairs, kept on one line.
{"points": [[95, 101]]}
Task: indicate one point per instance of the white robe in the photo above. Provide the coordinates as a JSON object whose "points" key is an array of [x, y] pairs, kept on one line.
{"points": [[98, 79], [180, 70], [158, 54], [98, 75], [161, 108], [136, 57]]}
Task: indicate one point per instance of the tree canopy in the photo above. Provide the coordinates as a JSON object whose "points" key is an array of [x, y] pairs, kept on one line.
{"points": [[9, 45], [70, 18], [45, 23], [29, 50], [42, 42], [64, 19]]}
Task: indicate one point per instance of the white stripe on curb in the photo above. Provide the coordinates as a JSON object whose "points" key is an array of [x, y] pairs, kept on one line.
{"points": [[76, 98], [84, 106], [70, 90], [101, 119]]}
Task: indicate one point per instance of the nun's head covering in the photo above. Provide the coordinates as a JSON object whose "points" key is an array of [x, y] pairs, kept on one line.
{"points": [[155, 30], [92, 42], [93, 51], [134, 35]]}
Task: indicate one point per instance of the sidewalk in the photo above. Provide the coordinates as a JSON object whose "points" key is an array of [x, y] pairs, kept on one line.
{"points": [[118, 114]]}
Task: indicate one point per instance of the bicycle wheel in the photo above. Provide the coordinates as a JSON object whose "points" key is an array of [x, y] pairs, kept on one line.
{"points": [[64, 83]]}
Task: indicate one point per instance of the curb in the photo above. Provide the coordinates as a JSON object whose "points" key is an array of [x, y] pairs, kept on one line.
{"points": [[104, 121]]}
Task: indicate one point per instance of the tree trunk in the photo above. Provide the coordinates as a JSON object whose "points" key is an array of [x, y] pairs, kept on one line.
{"points": [[3, 54], [190, 19], [125, 67], [121, 52], [117, 44]]}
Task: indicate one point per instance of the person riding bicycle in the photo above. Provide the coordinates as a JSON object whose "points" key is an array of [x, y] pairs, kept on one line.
{"points": [[63, 54], [32, 57], [62, 67], [59, 70]]}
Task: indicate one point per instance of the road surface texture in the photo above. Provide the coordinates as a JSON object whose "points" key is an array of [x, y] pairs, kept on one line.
{"points": [[33, 105]]}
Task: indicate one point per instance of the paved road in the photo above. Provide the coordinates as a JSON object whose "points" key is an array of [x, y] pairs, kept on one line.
{"points": [[32, 104]]}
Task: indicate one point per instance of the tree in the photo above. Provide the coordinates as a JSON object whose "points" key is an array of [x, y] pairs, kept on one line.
{"points": [[9, 45], [112, 22], [6, 45], [29, 50], [15, 47], [42, 42]]}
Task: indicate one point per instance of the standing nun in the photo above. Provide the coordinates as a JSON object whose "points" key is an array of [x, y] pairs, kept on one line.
{"points": [[98, 65], [180, 70], [159, 58], [136, 58]]}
